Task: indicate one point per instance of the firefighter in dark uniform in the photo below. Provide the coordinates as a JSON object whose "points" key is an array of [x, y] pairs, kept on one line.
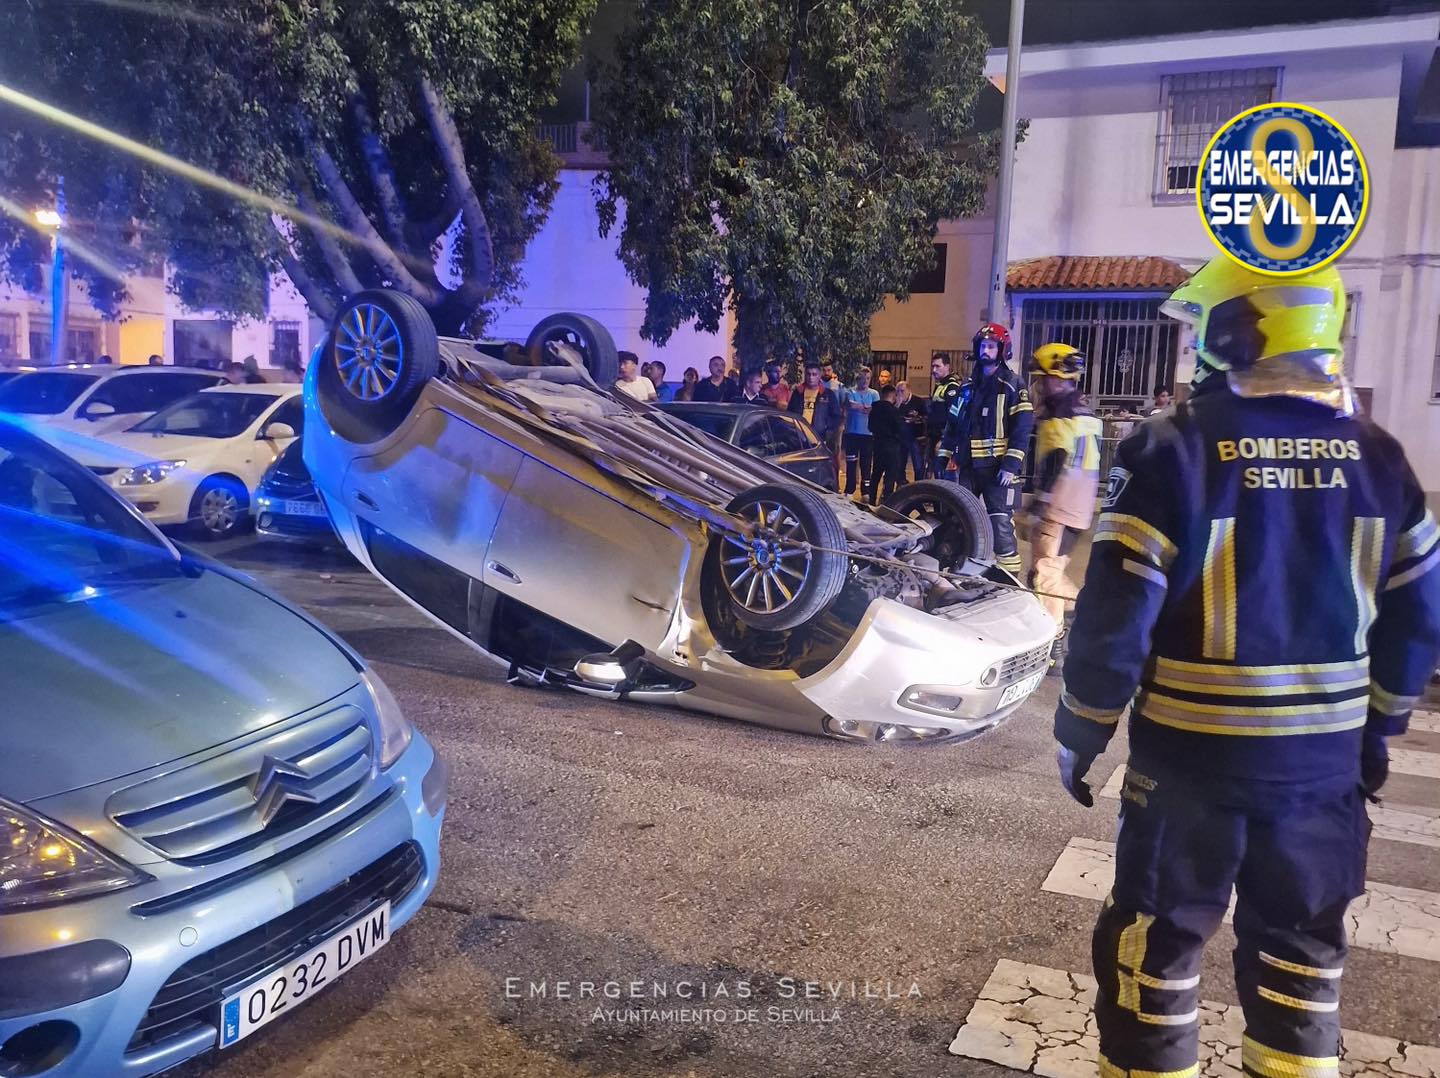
{"points": [[1264, 585], [988, 435], [944, 388]]}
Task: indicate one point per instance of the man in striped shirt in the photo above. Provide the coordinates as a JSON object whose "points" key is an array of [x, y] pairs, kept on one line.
{"points": [[1263, 595]]}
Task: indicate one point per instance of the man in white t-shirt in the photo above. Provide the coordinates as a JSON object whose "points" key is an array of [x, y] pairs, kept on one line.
{"points": [[631, 382]]}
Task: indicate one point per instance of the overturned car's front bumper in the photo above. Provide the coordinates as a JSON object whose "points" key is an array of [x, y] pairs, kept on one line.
{"points": [[924, 676]]}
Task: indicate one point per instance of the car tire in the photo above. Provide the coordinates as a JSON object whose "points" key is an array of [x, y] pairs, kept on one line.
{"points": [[586, 336], [381, 350], [754, 576], [219, 508], [962, 527]]}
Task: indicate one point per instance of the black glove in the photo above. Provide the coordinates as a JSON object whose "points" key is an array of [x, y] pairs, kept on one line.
{"points": [[1374, 765], [1073, 768]]}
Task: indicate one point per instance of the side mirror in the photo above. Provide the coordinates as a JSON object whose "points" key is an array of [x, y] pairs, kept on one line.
{"points": [[276, 432], [99, 410]]}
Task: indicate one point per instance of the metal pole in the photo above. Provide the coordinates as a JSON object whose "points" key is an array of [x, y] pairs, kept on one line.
{"points": [[1000, 252], [59, 286]]}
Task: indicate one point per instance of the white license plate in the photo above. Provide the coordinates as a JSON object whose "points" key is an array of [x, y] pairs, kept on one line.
{"points": [[1021, 689], [299, 509], [247, 1009]]}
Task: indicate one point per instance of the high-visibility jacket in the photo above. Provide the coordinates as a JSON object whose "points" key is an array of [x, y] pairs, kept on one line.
{"points": [[990, 422], [1067, 461], [942, 396], [1263, 585]]}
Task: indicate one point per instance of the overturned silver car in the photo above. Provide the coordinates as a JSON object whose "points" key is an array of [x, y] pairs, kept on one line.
{"points": [[589, 541]]}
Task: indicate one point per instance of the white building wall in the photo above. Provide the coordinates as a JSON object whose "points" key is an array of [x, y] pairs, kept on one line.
{"points": [[570, 267]]}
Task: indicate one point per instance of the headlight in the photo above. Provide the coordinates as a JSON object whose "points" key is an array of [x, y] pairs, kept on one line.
{"points": [[41, 863], [153, 472], [394, 732]]}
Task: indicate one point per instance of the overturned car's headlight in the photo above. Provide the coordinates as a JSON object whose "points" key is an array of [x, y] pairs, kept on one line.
{"points": [[41, 863], [864, 730], [393, 731], [145, 474]]}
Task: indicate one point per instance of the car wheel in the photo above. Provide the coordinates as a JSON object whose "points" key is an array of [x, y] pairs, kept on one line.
{"points": [[219, 508], [793, 567], [586, 336], [380, 352], [961, 525]]}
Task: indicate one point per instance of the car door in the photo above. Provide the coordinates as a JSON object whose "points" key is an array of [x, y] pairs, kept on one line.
{"points": [[262, 449], [438, 489], [794, 447], [590, 561]]}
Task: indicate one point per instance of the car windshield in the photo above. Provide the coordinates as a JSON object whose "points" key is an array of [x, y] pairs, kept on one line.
{"points": [[44, 392], [64, 536], [720, 424], [209, 415]]}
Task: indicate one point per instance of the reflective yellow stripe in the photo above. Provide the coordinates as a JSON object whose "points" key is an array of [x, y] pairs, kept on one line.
{"points": [[1325, 707], [1129, 956], [1218, 581], [1181, 668], [1289, 686], [1415, 541], [1139, 535], [1018, 454], [1419, 569], [1388, 703], [1109, 1070], [1304, 971], [1186, 1019], [1161, 985], [1272, 1063], [1295, 1003], [1255, 721], [1365, 547], [1104, 715]]}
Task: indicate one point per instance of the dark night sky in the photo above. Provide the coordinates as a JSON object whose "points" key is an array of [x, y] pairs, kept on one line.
{"points": [[1055, 21]]}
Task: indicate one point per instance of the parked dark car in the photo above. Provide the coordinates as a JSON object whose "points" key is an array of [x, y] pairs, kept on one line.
{"points": [[782, 439], [287, 505]]}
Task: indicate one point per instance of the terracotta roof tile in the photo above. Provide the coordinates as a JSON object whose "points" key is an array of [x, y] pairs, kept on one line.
{"points": [[1095, 273]]}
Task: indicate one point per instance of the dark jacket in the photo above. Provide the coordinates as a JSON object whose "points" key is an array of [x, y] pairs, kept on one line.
{"points": [[885, 423], [827, 410], [990, 422], [1264, 573], [912, 419], [707, 391]]}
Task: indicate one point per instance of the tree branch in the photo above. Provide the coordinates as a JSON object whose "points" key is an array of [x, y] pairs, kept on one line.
{"points": [[335, 259], [319, 300], [452, 156], [356, 219], [382, 173]]}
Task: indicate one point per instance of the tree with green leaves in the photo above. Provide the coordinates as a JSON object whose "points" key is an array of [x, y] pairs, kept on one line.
{"points": [[402, 133], [789, 160]]}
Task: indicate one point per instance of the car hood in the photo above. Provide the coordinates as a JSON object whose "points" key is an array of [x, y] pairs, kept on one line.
{"points": [[151, 673], [125, 449]]}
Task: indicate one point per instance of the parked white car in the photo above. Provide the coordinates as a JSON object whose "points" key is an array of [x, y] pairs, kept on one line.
{"points": [[200, 460], [96, 399]]}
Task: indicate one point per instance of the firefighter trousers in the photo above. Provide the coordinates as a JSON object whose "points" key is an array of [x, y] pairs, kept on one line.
{"points": [[1294, 867], [1000, 503], [1051, 544]]}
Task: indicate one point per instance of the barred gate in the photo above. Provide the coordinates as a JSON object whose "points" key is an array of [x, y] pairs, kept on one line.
{"points": [[1130, 344]]}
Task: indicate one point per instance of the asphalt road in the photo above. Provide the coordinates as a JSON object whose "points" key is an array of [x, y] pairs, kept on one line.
{"points": [[588, 841]]}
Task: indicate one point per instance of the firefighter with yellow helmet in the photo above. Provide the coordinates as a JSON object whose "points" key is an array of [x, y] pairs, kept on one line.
{"points": [[1264, 587], [1067, 473]]}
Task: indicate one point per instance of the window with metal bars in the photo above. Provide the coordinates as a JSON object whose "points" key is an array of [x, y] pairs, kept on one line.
{"points": [[284, 342], [9, 336], [895, 362], [1130, 345], [1350, 333], [1193, 106]]}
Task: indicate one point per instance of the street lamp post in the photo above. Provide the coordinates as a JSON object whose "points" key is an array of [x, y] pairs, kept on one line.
{"points": [[1000, 252], [54, 220]]}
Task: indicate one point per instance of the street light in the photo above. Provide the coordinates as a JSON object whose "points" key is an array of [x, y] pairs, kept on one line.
{"points": [[49, 218], [53, 218]]}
